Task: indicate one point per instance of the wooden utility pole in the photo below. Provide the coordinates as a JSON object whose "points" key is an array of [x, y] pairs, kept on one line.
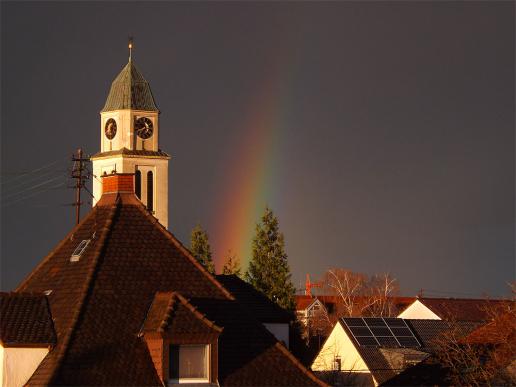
{"points": [[80, 173]]}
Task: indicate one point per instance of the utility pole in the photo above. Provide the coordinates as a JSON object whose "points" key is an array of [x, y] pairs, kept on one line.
{"points": [[80, 173]]}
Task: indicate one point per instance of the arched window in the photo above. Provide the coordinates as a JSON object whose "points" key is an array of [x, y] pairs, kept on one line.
{"points": [[150, 191], [138, 184]]}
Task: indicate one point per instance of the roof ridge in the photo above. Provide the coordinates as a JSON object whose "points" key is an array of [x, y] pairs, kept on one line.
{"points": [[300, 365], [186, 252], [86, 288], [184, 301]]}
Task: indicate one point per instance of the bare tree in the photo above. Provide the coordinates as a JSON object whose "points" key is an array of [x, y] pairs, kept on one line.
{"points": [[356, 294]]}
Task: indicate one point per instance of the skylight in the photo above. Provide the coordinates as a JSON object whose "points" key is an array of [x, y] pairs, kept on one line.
{"points": [[79, 250]]}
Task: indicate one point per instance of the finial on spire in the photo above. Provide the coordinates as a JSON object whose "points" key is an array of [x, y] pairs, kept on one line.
{"points": [[130, 45]]}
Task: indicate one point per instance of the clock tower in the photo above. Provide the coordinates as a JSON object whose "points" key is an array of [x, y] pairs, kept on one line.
{"points": [[129, 132]]}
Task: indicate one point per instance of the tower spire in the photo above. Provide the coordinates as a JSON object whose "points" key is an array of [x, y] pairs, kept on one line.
{"points": [[130, 45]]}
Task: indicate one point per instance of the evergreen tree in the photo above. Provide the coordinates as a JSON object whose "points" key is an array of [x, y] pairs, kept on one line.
{"points": [[200, 248], [268, 270], [231, 264]]}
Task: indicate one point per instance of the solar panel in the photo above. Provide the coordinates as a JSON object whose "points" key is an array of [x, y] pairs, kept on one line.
{"points": [[377, 331], [367, 341], [381, 331], [387, 341], [376, 322], [393, 322], [408, 341], [360, 331], [354, 322], [401, 332]]}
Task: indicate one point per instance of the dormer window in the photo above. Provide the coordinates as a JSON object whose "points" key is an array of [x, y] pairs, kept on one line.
{"points": [[182, 342], [189, 363], [79, 250]]}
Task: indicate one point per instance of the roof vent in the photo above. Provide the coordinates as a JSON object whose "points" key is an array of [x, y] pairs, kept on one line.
{"points": [[79, 250]]}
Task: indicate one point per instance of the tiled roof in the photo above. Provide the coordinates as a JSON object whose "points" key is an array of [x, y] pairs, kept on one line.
{"points": [[130, 90], [101, 302], [25, 320], [463, 309], [258, 305], [131, 153]]}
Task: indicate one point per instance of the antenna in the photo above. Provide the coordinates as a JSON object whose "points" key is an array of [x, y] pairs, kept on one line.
{"points": [[130, 45], [80, 173]]}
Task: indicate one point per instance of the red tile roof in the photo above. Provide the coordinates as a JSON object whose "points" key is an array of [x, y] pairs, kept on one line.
{"points": [[25, 320], [463, 309], [172, 312], [101, 302]]}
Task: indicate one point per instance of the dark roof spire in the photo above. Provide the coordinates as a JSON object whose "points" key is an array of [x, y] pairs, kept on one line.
{"points": [[130, 90]]}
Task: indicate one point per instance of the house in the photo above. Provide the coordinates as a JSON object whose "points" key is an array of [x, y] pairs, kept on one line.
{"points": [[26, 336], [130, 305], [460, 309], [493, 343], [370, 351], [276, 319]]}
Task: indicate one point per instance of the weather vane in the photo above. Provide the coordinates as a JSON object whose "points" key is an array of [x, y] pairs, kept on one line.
{"points": [[130, 45]]}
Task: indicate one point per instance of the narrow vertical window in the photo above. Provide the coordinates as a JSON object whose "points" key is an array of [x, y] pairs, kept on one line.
{"points": [[138, 184], [150, 192]]}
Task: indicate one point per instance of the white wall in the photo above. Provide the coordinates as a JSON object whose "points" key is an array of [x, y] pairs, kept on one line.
{"points": [[18, 364], [340, 345], [418, 311], [280, 331]]}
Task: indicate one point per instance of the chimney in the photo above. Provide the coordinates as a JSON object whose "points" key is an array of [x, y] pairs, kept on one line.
{"points": [[118, 183]]}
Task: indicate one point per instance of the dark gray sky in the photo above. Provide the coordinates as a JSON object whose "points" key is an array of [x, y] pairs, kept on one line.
{"points": [[380, 133]]}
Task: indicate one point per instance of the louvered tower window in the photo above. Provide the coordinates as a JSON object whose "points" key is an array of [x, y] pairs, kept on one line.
{"points": [[150, 191], [138, 184]]}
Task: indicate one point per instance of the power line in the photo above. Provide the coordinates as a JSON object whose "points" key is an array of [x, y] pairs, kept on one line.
{"points": [[8, 196], [32, 194], [33, 179], [22, 174]]}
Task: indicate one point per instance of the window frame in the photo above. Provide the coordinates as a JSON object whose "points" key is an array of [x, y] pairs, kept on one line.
{"points": [[207, 380]]}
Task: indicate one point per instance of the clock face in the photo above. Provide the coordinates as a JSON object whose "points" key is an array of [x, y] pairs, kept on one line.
{"points": [[143, 127], [110, 129]]}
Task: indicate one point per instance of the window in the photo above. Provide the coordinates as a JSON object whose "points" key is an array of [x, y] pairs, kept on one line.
{"points": [[189, 363], [150, 192], [79, 250], [138, 184], [336, 364]]}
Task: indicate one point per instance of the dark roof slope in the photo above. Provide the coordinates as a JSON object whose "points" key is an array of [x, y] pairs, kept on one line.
{"points": [[172, 312], [255, 302], [25, 320], [130, 90], [100, 304]]}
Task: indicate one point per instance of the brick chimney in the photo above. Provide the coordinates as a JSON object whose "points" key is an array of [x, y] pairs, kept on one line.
{"points": [[118, 183]]}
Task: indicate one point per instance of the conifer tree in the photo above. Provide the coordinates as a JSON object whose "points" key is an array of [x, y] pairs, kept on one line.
{"points": [[200, 248], [231, 264], [268, 270]]}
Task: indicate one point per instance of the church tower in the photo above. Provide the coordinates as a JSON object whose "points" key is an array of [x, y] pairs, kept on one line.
{"points": [[129, 132]]}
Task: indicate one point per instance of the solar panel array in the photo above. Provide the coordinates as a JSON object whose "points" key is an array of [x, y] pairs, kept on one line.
{"points": [[383, 332]]}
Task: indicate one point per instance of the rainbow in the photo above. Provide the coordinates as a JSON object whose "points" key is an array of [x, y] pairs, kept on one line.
{"points": [[251, 183]]}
